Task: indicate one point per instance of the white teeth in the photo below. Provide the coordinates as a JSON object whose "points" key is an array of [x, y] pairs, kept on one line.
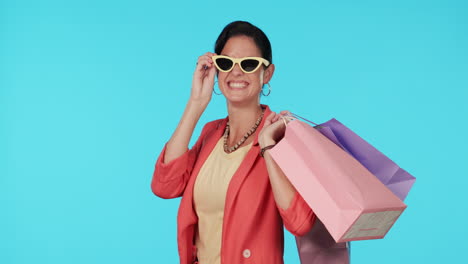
{"points": [[237, 85]]}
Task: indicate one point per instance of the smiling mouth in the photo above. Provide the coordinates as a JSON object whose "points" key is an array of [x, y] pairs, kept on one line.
{"points": [[237, 85]]}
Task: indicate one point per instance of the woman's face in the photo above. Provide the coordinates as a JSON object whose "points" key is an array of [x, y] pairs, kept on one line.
{"points": [[237, 86]]}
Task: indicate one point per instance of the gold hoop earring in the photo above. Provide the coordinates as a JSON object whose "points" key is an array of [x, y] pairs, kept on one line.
{"points": [[269, 90], [214, 89]]}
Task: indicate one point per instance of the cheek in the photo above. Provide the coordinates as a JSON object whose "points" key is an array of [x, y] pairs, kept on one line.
{"points": [[257, 79], [221, 79]]}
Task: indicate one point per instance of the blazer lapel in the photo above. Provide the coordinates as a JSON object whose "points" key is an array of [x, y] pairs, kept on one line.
{"points": [[244, 168], [208, 146]]}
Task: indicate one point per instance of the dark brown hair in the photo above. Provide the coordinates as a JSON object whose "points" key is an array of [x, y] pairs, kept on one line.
{"points": [[243, 28]]}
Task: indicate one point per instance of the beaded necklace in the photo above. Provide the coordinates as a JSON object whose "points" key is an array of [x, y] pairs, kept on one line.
{"points": [[242, 140]]}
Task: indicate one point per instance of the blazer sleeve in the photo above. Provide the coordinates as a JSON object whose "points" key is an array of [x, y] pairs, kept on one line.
{"points": [[298, 218], [170, 179]]}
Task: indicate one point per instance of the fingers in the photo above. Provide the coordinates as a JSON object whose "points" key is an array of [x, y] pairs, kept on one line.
{"points": [[211, 73], [273, 118], [269, 119], [282, 114], [205, 62], [276, 118]]}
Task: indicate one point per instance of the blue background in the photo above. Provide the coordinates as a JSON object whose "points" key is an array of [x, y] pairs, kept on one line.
{"points": [[91, 90]]}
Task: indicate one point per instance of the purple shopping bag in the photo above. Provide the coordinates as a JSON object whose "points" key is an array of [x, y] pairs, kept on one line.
{"points": [[388, 172], [317, 246]]}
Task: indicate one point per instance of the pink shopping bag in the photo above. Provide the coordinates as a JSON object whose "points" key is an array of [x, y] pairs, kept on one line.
{"points": [[350, 201]]}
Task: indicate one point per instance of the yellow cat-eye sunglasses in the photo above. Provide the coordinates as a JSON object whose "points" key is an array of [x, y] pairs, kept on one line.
{"points": [[247, 64]]}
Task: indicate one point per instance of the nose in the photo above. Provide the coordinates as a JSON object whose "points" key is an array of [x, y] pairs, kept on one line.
{"points": [[236, 71]]}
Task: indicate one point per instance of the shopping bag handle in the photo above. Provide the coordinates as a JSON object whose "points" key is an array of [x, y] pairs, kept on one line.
{"points": [[298, 117]]}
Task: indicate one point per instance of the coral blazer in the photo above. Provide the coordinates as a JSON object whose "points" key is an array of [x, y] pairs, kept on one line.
{"points": [[252, 229]]}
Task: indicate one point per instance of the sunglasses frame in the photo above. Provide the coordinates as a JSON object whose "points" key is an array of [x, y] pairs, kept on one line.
{"points": [[239, 61]]}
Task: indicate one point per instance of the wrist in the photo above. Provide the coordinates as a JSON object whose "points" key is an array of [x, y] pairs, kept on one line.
{"points": [[197, 105], [264, 150], [266, 142]]}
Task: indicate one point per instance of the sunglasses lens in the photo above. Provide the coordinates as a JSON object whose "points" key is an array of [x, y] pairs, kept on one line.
{"points": [[224, 64], [249, 65]]}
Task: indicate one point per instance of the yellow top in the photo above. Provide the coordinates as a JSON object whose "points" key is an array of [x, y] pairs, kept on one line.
{"points": [[209, 196]]}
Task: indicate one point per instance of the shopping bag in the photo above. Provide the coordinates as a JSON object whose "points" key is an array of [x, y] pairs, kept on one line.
{"points": [[388, 172], [317, 246], [351, 202]]}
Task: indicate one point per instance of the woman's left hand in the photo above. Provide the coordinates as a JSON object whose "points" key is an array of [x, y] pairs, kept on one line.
{"points": [[273, 129]]}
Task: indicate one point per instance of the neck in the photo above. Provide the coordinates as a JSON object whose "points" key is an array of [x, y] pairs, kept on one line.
{"points": [[241, 119]]}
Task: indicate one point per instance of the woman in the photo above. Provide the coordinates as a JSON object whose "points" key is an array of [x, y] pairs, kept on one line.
{"points": [[235, 199]]}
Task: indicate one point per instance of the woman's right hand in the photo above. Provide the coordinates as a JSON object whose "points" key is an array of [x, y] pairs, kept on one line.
{"points": [[203, 79]]}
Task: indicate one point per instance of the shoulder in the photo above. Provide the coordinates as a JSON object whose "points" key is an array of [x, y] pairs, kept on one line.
{"points": [[214, 125]]}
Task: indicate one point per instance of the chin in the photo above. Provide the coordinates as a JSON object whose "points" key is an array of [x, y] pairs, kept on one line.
{"points": [[239, 98]]}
